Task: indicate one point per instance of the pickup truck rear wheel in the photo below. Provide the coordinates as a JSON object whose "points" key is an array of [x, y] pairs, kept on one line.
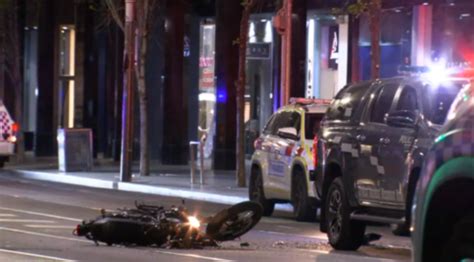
{"points": [[343, 233], [257, 194], [304, 208]]}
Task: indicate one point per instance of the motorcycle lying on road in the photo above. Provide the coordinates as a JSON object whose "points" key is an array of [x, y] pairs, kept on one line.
{"points": [[152, 225]]}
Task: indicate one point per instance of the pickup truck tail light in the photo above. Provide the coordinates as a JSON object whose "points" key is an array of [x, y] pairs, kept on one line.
{"points": [[315, 151]]}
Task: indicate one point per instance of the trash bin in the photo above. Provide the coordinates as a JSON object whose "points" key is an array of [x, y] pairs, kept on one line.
{"points": [[74, 149]]}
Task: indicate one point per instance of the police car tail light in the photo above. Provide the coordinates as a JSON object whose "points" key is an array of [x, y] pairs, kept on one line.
{"points": [[289, 150], [15, 127], [257, 144], [12, 138]]}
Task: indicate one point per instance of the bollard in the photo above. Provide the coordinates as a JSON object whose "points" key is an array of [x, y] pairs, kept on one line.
{"points": [[201, 155], [193, 146]]}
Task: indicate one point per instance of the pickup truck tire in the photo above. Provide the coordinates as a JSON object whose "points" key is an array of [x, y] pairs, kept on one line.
{"points": [[257, 194], [304, 208], [343, 233]]}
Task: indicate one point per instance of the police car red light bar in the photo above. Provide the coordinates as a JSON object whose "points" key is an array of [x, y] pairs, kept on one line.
{"points": [[309, 101]]}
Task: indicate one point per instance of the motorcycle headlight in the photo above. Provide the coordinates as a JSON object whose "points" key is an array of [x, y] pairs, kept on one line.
{"points": [[194, 222]]}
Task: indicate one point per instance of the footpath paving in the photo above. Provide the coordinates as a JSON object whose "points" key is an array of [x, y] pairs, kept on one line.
{"points": [[172, 181]]}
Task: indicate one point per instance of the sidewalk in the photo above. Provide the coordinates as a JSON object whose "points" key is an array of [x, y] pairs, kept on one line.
{"points": [[172, 181]]}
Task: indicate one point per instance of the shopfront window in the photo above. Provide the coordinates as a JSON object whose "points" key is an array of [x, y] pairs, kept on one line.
{"points": [[259, 85], [67, 42], [327, 55]]}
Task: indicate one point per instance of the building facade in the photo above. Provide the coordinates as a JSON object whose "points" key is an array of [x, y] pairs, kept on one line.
{"points": [[73, 72]]}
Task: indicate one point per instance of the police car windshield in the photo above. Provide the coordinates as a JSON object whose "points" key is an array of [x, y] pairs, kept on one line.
{"points": [[439, 100], [312, 124]]}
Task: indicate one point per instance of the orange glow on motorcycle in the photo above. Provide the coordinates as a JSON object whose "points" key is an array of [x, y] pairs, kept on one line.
{"points": [[194, 222]]}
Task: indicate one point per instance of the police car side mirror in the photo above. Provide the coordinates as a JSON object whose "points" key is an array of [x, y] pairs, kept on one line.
{"points": [[402, 118], [288, 132]]}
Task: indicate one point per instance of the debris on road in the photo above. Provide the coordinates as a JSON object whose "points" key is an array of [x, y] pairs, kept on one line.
{"points": [[279, 244]]}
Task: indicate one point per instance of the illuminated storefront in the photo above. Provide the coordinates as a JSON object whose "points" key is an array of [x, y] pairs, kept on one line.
{"points": [[259, 86], [327, 54]]}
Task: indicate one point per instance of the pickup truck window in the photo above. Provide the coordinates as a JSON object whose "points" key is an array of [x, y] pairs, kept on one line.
{"points": [[382, 105], [407, 100], [346, 102], [438, 101]]}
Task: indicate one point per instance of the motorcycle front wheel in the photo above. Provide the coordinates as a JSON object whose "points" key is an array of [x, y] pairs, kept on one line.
{"points": [[235, 221]]}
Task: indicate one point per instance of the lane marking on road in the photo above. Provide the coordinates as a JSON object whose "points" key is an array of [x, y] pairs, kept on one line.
{"points": [[321, 237], [42, 234], [193, 256], [13, 220], [41, 214], [7, 215], [287, 227], [34, 255], [51, 226], [351, 256]]}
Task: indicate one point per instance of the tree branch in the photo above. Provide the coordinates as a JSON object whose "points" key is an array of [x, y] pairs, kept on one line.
{"points": [[113, 9]]}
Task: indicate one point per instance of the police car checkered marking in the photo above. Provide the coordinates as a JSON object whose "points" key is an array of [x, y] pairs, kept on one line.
{"points": [[348, 112], [457, 144], [5, 127], [349, 149], [381, 170], [375, 162]]}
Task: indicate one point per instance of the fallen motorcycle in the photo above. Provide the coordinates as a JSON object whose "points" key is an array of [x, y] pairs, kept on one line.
{"points": [[152, 225]]}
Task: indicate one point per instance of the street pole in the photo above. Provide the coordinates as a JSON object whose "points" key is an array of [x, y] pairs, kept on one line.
{"points": [[283, 24], [127, 102]]}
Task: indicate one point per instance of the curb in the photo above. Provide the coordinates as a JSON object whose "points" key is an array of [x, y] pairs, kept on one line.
{"points": [[138, 188]]}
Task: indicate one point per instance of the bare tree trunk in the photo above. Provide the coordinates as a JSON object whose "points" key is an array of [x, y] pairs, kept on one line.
{"points": [[128, 89], [144, 19], [142, 97], [374, 9], [244, 29], [142, 41]]}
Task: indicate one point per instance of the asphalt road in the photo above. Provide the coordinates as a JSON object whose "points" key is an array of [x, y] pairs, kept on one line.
{"points": [[37, 219]]}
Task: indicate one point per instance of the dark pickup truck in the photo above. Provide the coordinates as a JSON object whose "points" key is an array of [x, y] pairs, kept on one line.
{"points": [[372, 143]]}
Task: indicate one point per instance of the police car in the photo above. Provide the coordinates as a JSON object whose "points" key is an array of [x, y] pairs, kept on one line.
{"points": [[8, 131], [443, 210], [283, 155]]}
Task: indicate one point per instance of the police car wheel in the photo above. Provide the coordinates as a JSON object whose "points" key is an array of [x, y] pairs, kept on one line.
{"points": [[304, 209], [343, 233], [257, 194], [2, 163]]}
